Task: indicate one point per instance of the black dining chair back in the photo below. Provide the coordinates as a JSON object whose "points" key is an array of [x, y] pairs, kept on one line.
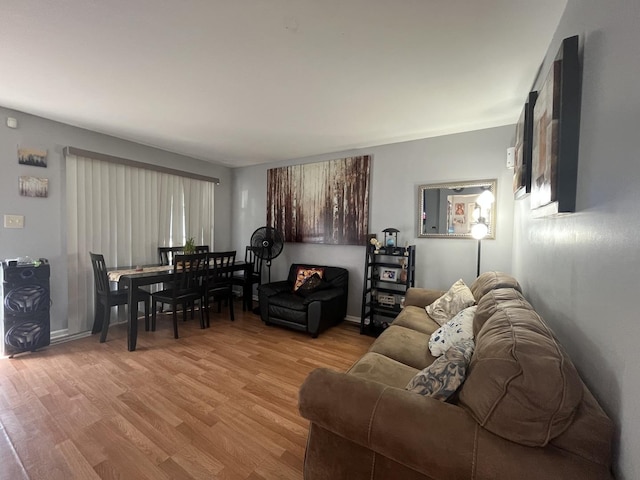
{"points": [[166, 254], [248, 278], [255, 261], [220, 283], [105, 298], [188, 286], [100, 278]]}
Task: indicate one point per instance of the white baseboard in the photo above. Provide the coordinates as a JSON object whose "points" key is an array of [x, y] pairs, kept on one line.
{"points": [[61, 336], [352, 319]]}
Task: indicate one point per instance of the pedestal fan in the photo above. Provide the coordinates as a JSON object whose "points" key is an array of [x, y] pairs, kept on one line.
{"points": [[267, 244]]}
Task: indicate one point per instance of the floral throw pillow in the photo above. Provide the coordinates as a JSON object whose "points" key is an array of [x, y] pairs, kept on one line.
{"points": [[448, 305], [455, 330], [311, 284], [444, 376], [304, 273]]}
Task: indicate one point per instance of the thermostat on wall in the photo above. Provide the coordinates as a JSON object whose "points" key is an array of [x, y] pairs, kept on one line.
{"points": [[511, 157]]}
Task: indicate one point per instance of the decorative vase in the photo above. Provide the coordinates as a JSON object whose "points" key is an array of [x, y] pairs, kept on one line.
{"points": [[403, 276]]}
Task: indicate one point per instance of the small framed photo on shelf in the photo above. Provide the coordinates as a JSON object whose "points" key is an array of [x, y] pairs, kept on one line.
{"points": [[386, 300], [389, 274]]}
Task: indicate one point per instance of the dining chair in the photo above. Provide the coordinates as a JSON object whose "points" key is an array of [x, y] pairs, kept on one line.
{"points": [[165, 254], [105, 298], [247, 278], [220, 282], [188, 285]]}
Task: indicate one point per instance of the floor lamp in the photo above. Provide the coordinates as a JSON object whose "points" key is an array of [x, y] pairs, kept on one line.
{"points": [[479, 231]]}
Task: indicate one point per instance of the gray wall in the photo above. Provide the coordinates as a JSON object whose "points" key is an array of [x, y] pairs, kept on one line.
{"points": [[397, 171], [45, 229], [582, 271]]}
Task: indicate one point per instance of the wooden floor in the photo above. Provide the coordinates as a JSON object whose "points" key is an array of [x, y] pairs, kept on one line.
{"points": [[217, 403]]}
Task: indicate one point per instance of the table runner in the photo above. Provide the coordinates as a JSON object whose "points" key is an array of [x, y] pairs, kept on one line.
{"points": [[114, 275]]}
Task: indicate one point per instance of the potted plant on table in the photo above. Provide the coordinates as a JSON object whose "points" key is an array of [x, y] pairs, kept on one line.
{"points": [[190, 246]]}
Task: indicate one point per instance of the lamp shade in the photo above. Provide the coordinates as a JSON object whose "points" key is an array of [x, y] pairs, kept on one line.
{"points": [[479, 230], [485, 199]]}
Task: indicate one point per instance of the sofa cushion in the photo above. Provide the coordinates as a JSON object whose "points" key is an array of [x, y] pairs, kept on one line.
{"points": [[493, 300], [417, 319], [491, 280], [521, 384], [421, 297], [448, 305], [378, 368], [405, 346], [455, 330], [442, 378]]}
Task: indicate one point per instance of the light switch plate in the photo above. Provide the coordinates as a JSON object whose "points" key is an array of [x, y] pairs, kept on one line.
{"points": [[14, 221]]}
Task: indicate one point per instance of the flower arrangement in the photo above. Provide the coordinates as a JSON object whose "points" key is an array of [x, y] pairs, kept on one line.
{"points": [[376, 243]]}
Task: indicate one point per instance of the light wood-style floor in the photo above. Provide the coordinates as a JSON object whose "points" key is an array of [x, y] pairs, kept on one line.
{"points": [[219, 403]]}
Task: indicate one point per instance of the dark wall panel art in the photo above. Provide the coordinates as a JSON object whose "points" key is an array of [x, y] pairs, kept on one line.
{"points": [[325, 202]]}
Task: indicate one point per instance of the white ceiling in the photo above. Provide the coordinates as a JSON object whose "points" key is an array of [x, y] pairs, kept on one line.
{"points": [[241, 82]]}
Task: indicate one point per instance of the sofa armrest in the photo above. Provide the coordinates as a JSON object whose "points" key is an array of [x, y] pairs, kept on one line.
{"points": [[421, 297], [429, 436], [274, 288]]}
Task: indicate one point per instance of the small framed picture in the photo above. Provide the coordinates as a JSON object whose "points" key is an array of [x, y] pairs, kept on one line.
{"points": [[389, 274], [33, 186], [34, 157], [386, 300]]}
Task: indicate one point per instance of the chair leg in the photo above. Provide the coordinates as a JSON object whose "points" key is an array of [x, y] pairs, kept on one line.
{"points": [[105, 324], [153, 316], [97, 318], [201, 315], [147, 308], [231, 313], [206, 307], [175, 323]]}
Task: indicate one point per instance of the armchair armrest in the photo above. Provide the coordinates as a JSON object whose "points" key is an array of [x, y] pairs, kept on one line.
{"points": [[429, 436], [323, 295], [274, 288], [421, 297]]}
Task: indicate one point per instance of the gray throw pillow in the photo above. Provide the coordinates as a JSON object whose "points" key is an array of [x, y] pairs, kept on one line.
{"points": [[451, 303], [444, 376]]}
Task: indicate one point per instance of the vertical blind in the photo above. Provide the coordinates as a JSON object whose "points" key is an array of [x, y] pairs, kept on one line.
{"points": [[125, 212]]}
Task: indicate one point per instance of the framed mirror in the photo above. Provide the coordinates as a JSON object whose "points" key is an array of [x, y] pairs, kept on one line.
{"points": [[450, 210]]}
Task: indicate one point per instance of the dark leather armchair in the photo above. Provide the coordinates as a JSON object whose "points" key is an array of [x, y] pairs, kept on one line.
{"points": [[310, 312]]}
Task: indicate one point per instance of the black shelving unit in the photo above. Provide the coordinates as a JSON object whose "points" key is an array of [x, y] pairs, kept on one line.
{"points": [[386, 281]]}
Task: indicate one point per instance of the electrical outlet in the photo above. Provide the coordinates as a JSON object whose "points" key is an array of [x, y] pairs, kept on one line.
{"points": [[14, 221]]}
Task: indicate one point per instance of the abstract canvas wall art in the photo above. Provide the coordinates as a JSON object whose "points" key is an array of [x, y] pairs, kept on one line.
{"points": [[556, 132], [324, 202]]}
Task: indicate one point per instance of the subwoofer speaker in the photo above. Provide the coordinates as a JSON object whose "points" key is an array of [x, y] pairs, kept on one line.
{"points": [[26, 302]]}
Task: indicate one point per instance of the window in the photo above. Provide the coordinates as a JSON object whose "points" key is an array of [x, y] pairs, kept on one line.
{"points": [[125, 211]]}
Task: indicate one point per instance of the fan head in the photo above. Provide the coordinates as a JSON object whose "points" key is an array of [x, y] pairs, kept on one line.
{"points": [[267, 243]]}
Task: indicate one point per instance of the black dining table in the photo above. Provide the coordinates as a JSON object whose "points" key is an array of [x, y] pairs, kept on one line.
{"points": [[132, 279]]}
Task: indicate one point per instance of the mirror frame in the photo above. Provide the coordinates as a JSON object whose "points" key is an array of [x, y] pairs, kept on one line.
{"points": [[492, 184]]}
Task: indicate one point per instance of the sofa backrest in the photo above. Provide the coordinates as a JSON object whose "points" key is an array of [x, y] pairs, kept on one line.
{"points": [[522, 386], [488, 281], [337, 277], [492, 300]]}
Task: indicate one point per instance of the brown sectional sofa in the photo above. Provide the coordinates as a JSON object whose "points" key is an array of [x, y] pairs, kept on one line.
{"points": [[522, 413]]}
